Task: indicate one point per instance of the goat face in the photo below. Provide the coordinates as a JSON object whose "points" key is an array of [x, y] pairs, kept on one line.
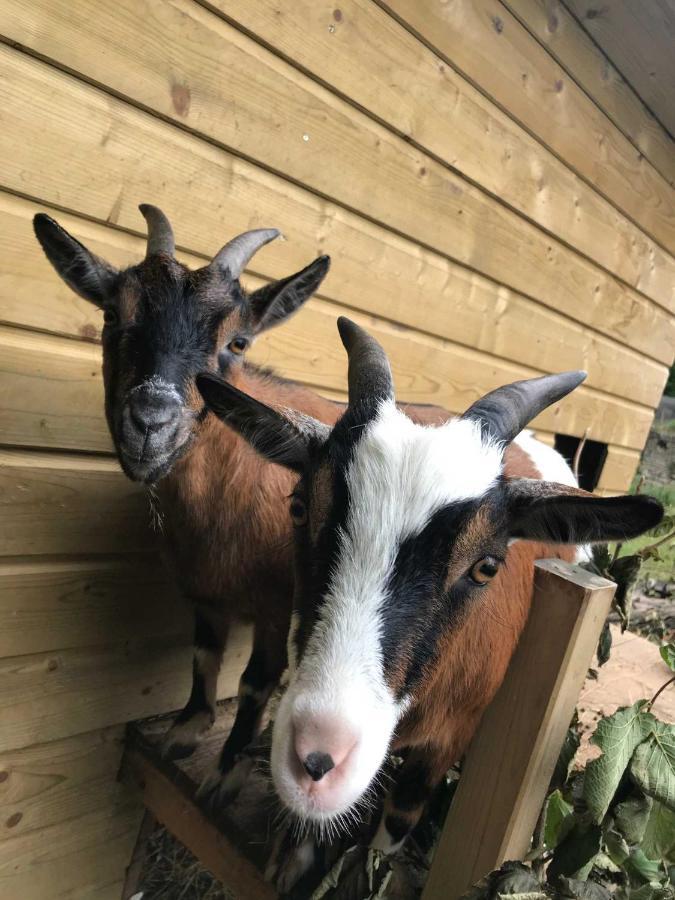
{"points": [[163, 324], [398, 529]]}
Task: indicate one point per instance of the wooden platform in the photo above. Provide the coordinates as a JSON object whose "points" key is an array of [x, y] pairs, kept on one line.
{"points": [[233, 843]]}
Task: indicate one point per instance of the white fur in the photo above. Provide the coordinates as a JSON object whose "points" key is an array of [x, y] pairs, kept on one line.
{"points": [[551, 465], [400, 475]]}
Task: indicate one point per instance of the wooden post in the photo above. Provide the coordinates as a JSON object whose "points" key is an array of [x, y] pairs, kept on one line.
{"points": [[511, 759]]}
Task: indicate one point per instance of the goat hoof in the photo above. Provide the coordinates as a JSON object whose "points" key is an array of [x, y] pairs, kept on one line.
{"points": [[221, 787], [182, 738], [287, 866]]}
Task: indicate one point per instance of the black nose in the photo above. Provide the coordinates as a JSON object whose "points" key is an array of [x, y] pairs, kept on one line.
{"points": [[152, 409], [317, 764]]}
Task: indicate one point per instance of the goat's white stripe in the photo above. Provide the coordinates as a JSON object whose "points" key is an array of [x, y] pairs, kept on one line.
{"points": [[400, 475]]}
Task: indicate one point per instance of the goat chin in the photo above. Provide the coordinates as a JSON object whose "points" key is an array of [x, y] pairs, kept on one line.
{"points": [[355, 732]]}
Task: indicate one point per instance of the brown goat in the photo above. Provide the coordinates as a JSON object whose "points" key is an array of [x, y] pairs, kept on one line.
{"points": [[223, 509], [414, 571]]}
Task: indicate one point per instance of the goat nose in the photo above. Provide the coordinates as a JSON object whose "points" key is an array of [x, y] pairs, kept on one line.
{"points": [[317, 764], [152, 410]]}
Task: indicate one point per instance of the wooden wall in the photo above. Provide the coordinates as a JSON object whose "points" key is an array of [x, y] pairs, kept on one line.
{"points": [[497, 201]]}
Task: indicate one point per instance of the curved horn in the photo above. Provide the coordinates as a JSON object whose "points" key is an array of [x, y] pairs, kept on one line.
{"points": [[235, 255], [505, 411], [160, 232], [369, 370]]}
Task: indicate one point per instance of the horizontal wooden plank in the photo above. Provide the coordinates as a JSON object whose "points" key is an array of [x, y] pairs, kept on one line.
{"points": [[49, 784], [51, 393], [49, 696], [488, 45], [59, 504], [403, 83], [619, 469], [77, 859], [53, 604], [308, 348], [553, 25], [639, 39], [426, 293], [114, 144]]}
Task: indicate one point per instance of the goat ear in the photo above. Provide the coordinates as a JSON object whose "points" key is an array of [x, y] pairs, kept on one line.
{"points": [[87, 274], [558, 514], [280, 299], [279, 438]]}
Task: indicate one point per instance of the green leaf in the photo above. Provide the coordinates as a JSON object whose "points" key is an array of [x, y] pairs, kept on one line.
{"points": [[581, 890], [653, 765], [668, 655], [645, 892], [574, 856], [631, 817], [640, 868], [617, 736], [559, 820], [658, 840], [616, 846], [530, 895]]}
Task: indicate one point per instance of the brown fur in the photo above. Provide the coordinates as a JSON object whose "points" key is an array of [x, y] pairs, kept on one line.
{"points": [[473, 657]]}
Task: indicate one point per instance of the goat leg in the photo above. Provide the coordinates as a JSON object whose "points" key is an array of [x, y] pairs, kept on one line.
{"points": [[199, 713], [404, 804], [258, 681]]}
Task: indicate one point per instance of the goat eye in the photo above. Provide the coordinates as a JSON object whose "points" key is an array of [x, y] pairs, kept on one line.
{"points": [[110, 316], [484, 570], [298, 511], [238, 345]]}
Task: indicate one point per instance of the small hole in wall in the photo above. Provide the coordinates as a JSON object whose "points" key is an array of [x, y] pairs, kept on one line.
{"points": [[592, 460]]}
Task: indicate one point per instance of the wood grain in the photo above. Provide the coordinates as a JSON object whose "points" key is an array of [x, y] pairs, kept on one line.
{"points": [[639, 39], [553, 25], [409, 88], [489, 46], [511, 758], [173, 806], [115, 143], [49, 696], [396, 281], [51, 604], [77, 859], [48, 784], [46, 378], [55, 503]]}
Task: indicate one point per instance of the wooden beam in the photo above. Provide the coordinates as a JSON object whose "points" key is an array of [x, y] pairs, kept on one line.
{"points": [[71, 134], [51, 783], [61, 392], [421, 292], [511, 759], [53, 604], [403, 83], [170, 799], [48, 696], [488, 44], [59, 503], [639, 40], [554, 26]]}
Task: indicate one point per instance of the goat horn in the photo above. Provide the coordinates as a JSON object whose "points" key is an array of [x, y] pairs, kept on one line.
{"points": [[235, 255], [160, 232], [505, 411], [369, 369]]}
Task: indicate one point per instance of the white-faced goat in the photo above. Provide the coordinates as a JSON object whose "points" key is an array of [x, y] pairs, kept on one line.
{"points": [[414, 571]]}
